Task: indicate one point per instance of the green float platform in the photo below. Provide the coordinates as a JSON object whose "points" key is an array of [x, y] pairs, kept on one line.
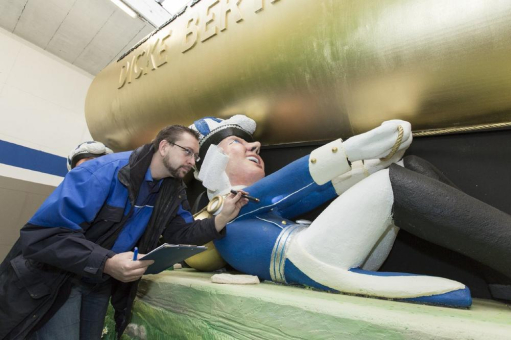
{"points": [[184, 304]]}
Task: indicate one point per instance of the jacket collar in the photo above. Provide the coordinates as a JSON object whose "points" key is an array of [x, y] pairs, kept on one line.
{"points": [[133, 173]]}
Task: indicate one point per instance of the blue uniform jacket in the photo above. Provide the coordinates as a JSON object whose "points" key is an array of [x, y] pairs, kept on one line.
{"points": [[252, 237]]}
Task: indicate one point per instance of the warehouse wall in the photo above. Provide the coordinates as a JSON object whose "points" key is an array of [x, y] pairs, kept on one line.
{"points": [[41, 120]]}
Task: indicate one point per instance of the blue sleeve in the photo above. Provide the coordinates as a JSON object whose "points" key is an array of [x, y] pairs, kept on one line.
{"points": [[77, 199], [185, 214], [54, 236], [183, 229], [291, 191]]}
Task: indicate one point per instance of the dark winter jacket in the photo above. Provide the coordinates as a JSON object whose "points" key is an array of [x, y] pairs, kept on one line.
{"points": [[72, 234]]}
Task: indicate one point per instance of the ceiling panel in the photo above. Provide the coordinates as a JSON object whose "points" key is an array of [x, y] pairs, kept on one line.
{"points": [[87, 33], [113, 37], [80, 27], [142, 34], [41, 19], [10, 11]]}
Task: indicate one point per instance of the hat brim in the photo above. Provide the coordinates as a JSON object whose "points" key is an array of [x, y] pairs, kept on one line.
{"points": [[81, 156], [216, 136]]}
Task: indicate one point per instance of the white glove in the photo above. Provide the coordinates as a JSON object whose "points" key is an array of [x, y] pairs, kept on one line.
{"points": [[378, 142]]}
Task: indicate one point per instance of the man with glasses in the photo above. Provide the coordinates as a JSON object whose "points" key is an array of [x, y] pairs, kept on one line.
{"points": [[76, 251]]}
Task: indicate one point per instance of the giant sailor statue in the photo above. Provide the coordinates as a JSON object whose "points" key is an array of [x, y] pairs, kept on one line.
{"points": [[376, 192]]}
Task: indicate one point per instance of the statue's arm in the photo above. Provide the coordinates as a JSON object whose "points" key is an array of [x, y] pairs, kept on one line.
{"points": [[365, 154], [312, 180], [335, 158]]}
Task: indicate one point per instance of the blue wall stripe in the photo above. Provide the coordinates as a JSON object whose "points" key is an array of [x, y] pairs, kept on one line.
{"points": [[26, 158]]}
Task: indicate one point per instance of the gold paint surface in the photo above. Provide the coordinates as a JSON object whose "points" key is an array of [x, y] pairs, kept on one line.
{"points": [[309, 70]]}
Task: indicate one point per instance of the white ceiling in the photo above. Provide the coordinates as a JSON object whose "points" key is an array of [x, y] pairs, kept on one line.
{"points": [[89, 34]]}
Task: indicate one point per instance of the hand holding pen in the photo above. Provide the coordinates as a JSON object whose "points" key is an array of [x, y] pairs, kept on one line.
{"points": [[250, 198], [126, 267], [227, 207]]}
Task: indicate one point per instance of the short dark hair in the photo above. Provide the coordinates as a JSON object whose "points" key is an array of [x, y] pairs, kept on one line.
{"points": [[171, 134]]}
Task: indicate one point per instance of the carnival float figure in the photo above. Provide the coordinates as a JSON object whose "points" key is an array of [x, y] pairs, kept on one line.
{"points": [[376, 192]]}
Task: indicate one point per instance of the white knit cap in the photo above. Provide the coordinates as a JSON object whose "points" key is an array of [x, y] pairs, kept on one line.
{"points": [[86, 150]]}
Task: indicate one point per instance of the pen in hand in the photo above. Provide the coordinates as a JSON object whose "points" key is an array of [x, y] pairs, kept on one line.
{"points": [[246, 196], [135, 254]]}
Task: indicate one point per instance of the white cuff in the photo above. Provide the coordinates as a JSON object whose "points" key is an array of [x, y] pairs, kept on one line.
{"points": [[328, 162], [345, 181]]}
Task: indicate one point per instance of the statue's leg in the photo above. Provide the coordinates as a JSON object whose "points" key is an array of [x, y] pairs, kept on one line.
{"points": [[425, 168], [340, 239], [443, 215], [382, 248], [498, 284]]}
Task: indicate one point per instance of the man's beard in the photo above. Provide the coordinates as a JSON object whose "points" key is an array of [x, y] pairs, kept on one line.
{"points": [[175, 172]]}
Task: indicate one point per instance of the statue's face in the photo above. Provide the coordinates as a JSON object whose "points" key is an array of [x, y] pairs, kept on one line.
{"points": [[245, 167]]}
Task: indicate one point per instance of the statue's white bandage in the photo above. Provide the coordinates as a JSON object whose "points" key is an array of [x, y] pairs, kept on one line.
{"points": [[328, 162], [212, 173]]}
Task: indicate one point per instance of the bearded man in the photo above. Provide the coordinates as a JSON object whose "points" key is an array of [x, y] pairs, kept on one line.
{"points": [[75, 252]]}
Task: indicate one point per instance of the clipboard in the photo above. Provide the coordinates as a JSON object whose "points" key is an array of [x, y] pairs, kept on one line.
{"points": [[167, 255]]}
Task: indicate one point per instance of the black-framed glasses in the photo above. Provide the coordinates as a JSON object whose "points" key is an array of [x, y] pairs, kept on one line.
{"points": [[189, 153]]}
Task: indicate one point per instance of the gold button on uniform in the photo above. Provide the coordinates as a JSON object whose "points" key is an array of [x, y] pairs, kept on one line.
{"points": [[313, 160]]}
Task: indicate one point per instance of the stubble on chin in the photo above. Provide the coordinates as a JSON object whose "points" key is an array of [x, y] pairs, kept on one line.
{"points": [[178, 172], [181, 172]]}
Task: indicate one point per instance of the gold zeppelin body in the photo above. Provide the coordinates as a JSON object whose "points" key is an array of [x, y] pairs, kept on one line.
{"points": [[320, 68]]}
